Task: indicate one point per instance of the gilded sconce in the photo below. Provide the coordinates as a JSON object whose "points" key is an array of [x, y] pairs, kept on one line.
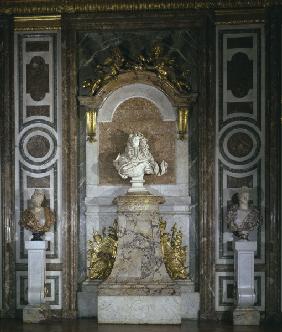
{"points": [[182, 122], [91, 123]]}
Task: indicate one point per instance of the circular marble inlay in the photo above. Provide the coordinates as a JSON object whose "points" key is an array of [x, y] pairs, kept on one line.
{"points": [[38, 146], [240, 144]]}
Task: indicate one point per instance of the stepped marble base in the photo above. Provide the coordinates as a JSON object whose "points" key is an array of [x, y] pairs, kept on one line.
{"points": [[36, 313], [87, 301], [139, 309], [144, 303], [246, 316]]}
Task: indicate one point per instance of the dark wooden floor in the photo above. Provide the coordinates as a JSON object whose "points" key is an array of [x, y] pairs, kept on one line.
{"points": [[89, 325]]}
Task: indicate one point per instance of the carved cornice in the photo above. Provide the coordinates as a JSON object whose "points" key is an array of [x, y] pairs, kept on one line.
{"points": [[240, 16], [32, 23], [35, 7]]}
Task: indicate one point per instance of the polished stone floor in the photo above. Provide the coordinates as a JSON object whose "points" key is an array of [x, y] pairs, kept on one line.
{"points": [[89, 325]]}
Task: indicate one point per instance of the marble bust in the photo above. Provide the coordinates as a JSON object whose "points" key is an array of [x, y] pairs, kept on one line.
{"points": [[37, 219], [242, 218], [137, 161]]}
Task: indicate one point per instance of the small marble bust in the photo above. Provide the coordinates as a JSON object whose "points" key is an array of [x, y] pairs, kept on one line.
{"points": [[137, 161], [37, 219], [242, 218]]}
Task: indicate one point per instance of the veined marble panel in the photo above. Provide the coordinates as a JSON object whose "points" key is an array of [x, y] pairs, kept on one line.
{"points": [[139, 309]]}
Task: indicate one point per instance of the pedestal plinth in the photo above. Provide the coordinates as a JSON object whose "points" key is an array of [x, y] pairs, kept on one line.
{"points": [[36, 310], [139, 290], [245, 313]]}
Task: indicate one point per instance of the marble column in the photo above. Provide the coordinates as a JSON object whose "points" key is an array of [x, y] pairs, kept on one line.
{"points": [[139, 290], [36, 311], [245, 313]]}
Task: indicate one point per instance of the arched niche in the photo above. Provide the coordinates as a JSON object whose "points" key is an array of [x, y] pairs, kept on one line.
{"points": [[136, 90], [116, 102], [146, 91]]}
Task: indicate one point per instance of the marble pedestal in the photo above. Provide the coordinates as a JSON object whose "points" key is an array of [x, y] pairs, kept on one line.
{"points": [[139, 290], [36, 310], [245, 313], [87, 299], [190, 300]]}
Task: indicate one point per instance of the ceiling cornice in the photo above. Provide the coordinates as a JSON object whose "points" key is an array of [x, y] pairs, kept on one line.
{"points": [[51, 7]]}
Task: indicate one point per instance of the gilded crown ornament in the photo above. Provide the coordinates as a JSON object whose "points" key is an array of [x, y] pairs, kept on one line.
{"points": [[37, 219]]}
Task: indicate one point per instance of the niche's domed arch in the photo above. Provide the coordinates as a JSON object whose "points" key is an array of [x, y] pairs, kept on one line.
{"points": [[136, 90]]}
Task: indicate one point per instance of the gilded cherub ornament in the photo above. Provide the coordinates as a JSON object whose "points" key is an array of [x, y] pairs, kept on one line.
{"points": [[37, 219]]}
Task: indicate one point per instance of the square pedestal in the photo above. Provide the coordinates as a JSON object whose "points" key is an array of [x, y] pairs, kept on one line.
{"points": [[190, 300], [246, 316], [87, 299], [36, 313], [139, 309]]}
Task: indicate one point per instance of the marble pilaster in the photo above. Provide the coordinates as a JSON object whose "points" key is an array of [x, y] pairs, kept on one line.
{"points": [[7, 252], [206, 175], [273, 168], [69, 164]]}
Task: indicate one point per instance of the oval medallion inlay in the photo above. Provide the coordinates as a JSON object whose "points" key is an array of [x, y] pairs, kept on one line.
{"points": [[37, 78], [240, 75]]}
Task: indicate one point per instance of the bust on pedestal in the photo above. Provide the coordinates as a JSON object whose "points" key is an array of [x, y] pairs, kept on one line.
{"points": [[139, 289], [38, 220], [241, 219]]}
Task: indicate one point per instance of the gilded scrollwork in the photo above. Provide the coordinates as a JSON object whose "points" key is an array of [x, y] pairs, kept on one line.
{"points": [[174, 253], [102, 252], [156, 61]]}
